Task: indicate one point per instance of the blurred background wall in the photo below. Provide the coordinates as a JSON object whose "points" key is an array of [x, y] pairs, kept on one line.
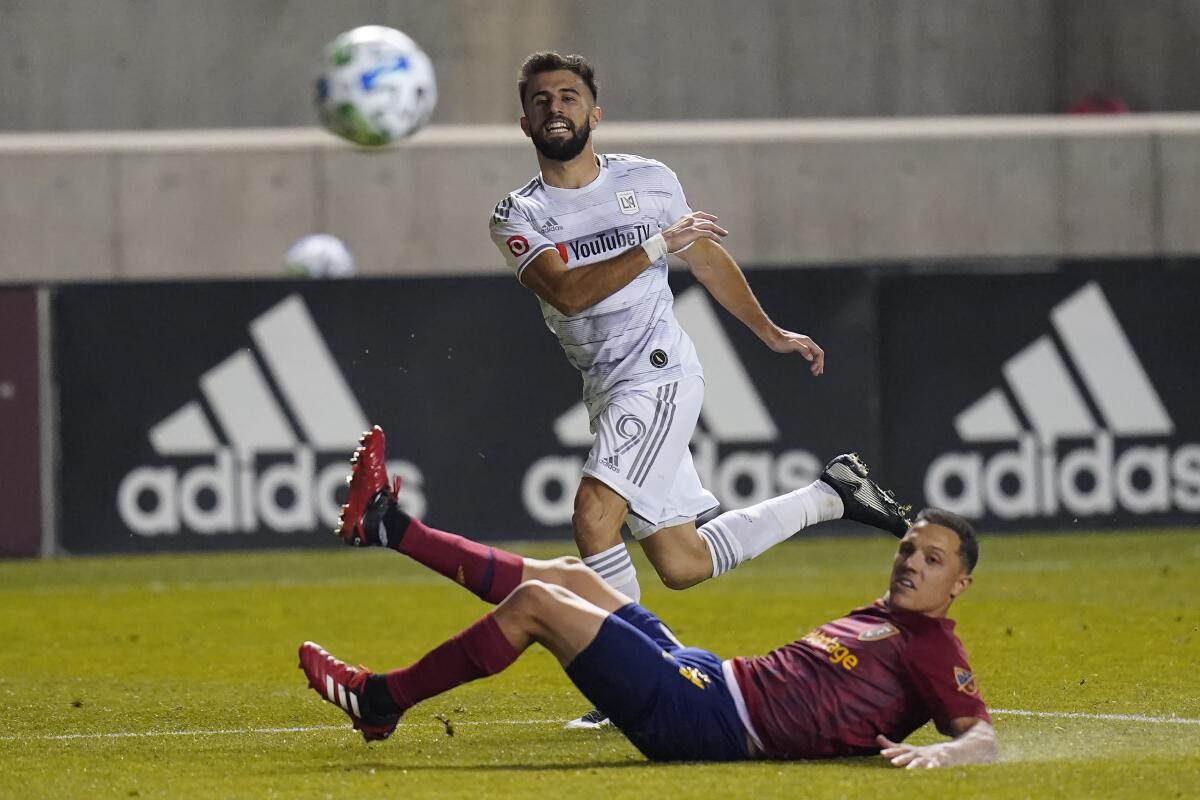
{"points": [[971, 190], [172, 139], [135, 64]]}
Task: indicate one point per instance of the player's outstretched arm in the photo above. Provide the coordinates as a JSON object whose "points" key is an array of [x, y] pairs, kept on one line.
{"points": [[719, 273], [572, 291], [974, 742]]}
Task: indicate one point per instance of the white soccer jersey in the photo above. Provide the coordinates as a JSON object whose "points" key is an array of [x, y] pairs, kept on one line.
{"points": [[631, 339]]}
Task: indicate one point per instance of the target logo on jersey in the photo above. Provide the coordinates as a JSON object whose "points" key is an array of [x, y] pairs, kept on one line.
{"points": [[517, 245]]}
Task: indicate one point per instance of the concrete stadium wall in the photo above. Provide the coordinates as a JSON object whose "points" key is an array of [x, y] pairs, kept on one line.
{"points": [[131, 64], [229, 203]]}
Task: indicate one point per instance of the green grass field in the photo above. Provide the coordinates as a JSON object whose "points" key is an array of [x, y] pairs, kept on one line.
{"points": [[176, 676]]}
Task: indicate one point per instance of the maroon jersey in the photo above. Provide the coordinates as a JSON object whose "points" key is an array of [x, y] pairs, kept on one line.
{"points": [[875, 671]]}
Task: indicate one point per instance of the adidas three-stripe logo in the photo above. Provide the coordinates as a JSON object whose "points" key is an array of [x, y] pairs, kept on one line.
{"points": [[285, 396], [1065, 397], [341, 696], [243, 403], [1047, 394]]}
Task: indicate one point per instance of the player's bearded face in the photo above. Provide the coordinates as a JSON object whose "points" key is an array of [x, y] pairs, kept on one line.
{"points": [[554, 143]]}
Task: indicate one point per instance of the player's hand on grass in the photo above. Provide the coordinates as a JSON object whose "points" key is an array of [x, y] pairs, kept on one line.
{"points": [[788, 342], [691, 228], [911, 756]]}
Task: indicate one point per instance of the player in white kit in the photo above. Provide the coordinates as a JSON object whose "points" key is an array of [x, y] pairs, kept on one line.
{"points": [[589, 236]]}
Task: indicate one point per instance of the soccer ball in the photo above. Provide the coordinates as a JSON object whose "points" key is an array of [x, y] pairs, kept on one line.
{"points": [[319, 256], [375, 86]]}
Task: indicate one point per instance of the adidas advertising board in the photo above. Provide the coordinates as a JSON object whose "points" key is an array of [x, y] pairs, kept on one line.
{"points": [[1046, 401], [223, 414], [201, 415]]}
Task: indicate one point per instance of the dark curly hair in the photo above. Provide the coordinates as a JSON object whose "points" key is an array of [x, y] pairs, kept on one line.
{"points": [[549, 61]]}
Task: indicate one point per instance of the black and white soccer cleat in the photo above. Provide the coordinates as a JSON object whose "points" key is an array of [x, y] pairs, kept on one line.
{"points": [[862, 498], [592, 720]]}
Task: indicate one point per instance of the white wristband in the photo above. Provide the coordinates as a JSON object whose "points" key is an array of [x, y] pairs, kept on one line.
{"points": [[655, 247]]}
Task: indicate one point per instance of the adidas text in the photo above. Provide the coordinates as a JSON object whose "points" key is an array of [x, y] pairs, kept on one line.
{"points": [[1088, 480], [288, 496], [248, 483], [1066, 458]]}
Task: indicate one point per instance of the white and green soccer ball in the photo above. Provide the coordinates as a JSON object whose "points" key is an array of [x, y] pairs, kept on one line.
{"points": [[319, 255], [375, 86]]}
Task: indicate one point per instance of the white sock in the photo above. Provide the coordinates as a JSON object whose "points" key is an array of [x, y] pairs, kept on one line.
{"points": [[738, 536], [616, 568]]}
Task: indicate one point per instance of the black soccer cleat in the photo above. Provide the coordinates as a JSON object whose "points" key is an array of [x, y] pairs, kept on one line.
{"points": [[862, 498]]}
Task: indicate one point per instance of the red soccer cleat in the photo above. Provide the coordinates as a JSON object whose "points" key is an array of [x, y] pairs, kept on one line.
{"points": [[368, 479], [341, 684]]}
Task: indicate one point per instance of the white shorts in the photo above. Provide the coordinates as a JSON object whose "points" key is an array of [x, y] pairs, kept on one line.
{"points": [[641, 452]]}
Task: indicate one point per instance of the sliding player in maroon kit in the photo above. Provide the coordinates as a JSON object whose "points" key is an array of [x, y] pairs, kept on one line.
{"points": [[858, 685]]}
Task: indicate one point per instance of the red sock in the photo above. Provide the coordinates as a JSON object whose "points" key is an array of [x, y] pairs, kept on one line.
{"points": [[478, 651], [486, 572]]}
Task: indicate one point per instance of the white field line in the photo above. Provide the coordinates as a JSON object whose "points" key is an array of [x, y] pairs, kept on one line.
{"points": [[162, 587], [1141, 718], [245, 731], [1017, 712], [144, 734]]}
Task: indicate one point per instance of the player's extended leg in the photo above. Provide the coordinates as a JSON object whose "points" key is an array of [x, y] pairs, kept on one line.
{"points": [[684, 555], [372, 516], [551, 615]]}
